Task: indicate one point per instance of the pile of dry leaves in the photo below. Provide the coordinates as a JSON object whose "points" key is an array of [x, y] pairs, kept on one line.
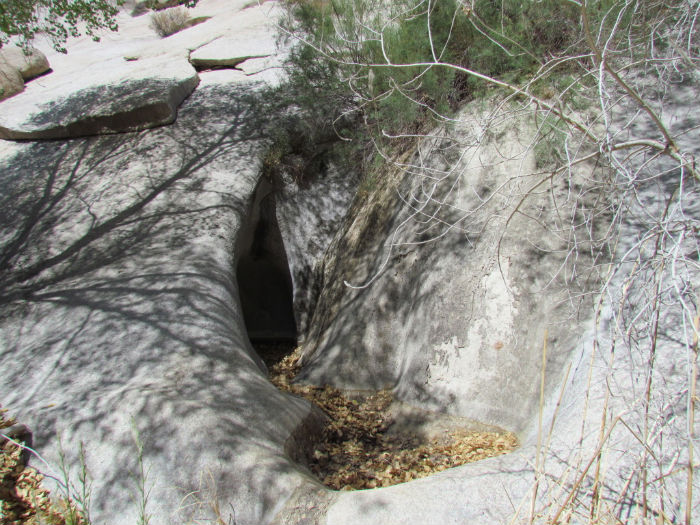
{"points": [[358, 450], [22, 498]]}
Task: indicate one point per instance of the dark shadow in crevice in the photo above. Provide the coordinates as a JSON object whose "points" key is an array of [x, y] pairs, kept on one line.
{"points": [[204, 68], [42, 74], [264, 281]]}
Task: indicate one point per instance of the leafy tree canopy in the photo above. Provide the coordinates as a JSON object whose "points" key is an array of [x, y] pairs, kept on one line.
{"points": [[58, 19]]}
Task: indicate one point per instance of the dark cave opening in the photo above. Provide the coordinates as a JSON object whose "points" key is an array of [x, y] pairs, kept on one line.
{"points": [[265, 283]]}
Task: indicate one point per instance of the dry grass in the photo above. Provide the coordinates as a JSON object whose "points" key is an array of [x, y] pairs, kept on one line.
{"points": [[170, 21]]}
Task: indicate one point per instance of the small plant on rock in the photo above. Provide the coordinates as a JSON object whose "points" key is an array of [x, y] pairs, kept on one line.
{"points": [[169, 21]]}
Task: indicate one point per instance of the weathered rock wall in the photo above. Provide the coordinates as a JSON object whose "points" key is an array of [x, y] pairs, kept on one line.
{"points": [[310, 215], [615, 432], [120, 309], [459, 288]]}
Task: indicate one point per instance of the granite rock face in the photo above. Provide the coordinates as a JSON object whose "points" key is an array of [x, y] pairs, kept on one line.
{"points": [[309, 217], [120, 309], [110, 109], [444, 321]]}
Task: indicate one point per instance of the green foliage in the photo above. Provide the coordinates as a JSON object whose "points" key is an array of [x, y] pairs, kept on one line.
{"points": [[353, 58], [140, 477], [56, 18], [381, 73], [400, 95], [373, 66], [357, 45]]}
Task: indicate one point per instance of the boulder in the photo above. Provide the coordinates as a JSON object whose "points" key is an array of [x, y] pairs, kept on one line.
{"points": [[227, 54], [30, 63], [254, 38], [11, 81], [18, 65], [119, 96]]}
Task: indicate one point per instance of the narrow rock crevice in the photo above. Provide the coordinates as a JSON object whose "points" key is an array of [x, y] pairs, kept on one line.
{"points": [[264, 281], [203, 64], [354, 440]]}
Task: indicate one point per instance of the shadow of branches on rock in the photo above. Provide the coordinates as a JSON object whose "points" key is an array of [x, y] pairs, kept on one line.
{"points": [[118, 301]]}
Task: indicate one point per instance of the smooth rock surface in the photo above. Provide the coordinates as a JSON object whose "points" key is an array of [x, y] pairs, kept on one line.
{"points": [[119, 304], [442, 323], [251, 48], [256, 39], [309, 215], [120, 309], [132, 98]]}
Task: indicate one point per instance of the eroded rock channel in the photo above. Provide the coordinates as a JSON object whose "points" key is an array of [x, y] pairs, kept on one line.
{"points": [[370, 440]]}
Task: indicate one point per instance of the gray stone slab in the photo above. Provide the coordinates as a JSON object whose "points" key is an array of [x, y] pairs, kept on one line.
{"points": [[254, 38], [137, 95]]}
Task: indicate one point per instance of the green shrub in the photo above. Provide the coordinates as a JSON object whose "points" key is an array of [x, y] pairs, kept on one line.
{"points": [[346, 72], [357, 38]]}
